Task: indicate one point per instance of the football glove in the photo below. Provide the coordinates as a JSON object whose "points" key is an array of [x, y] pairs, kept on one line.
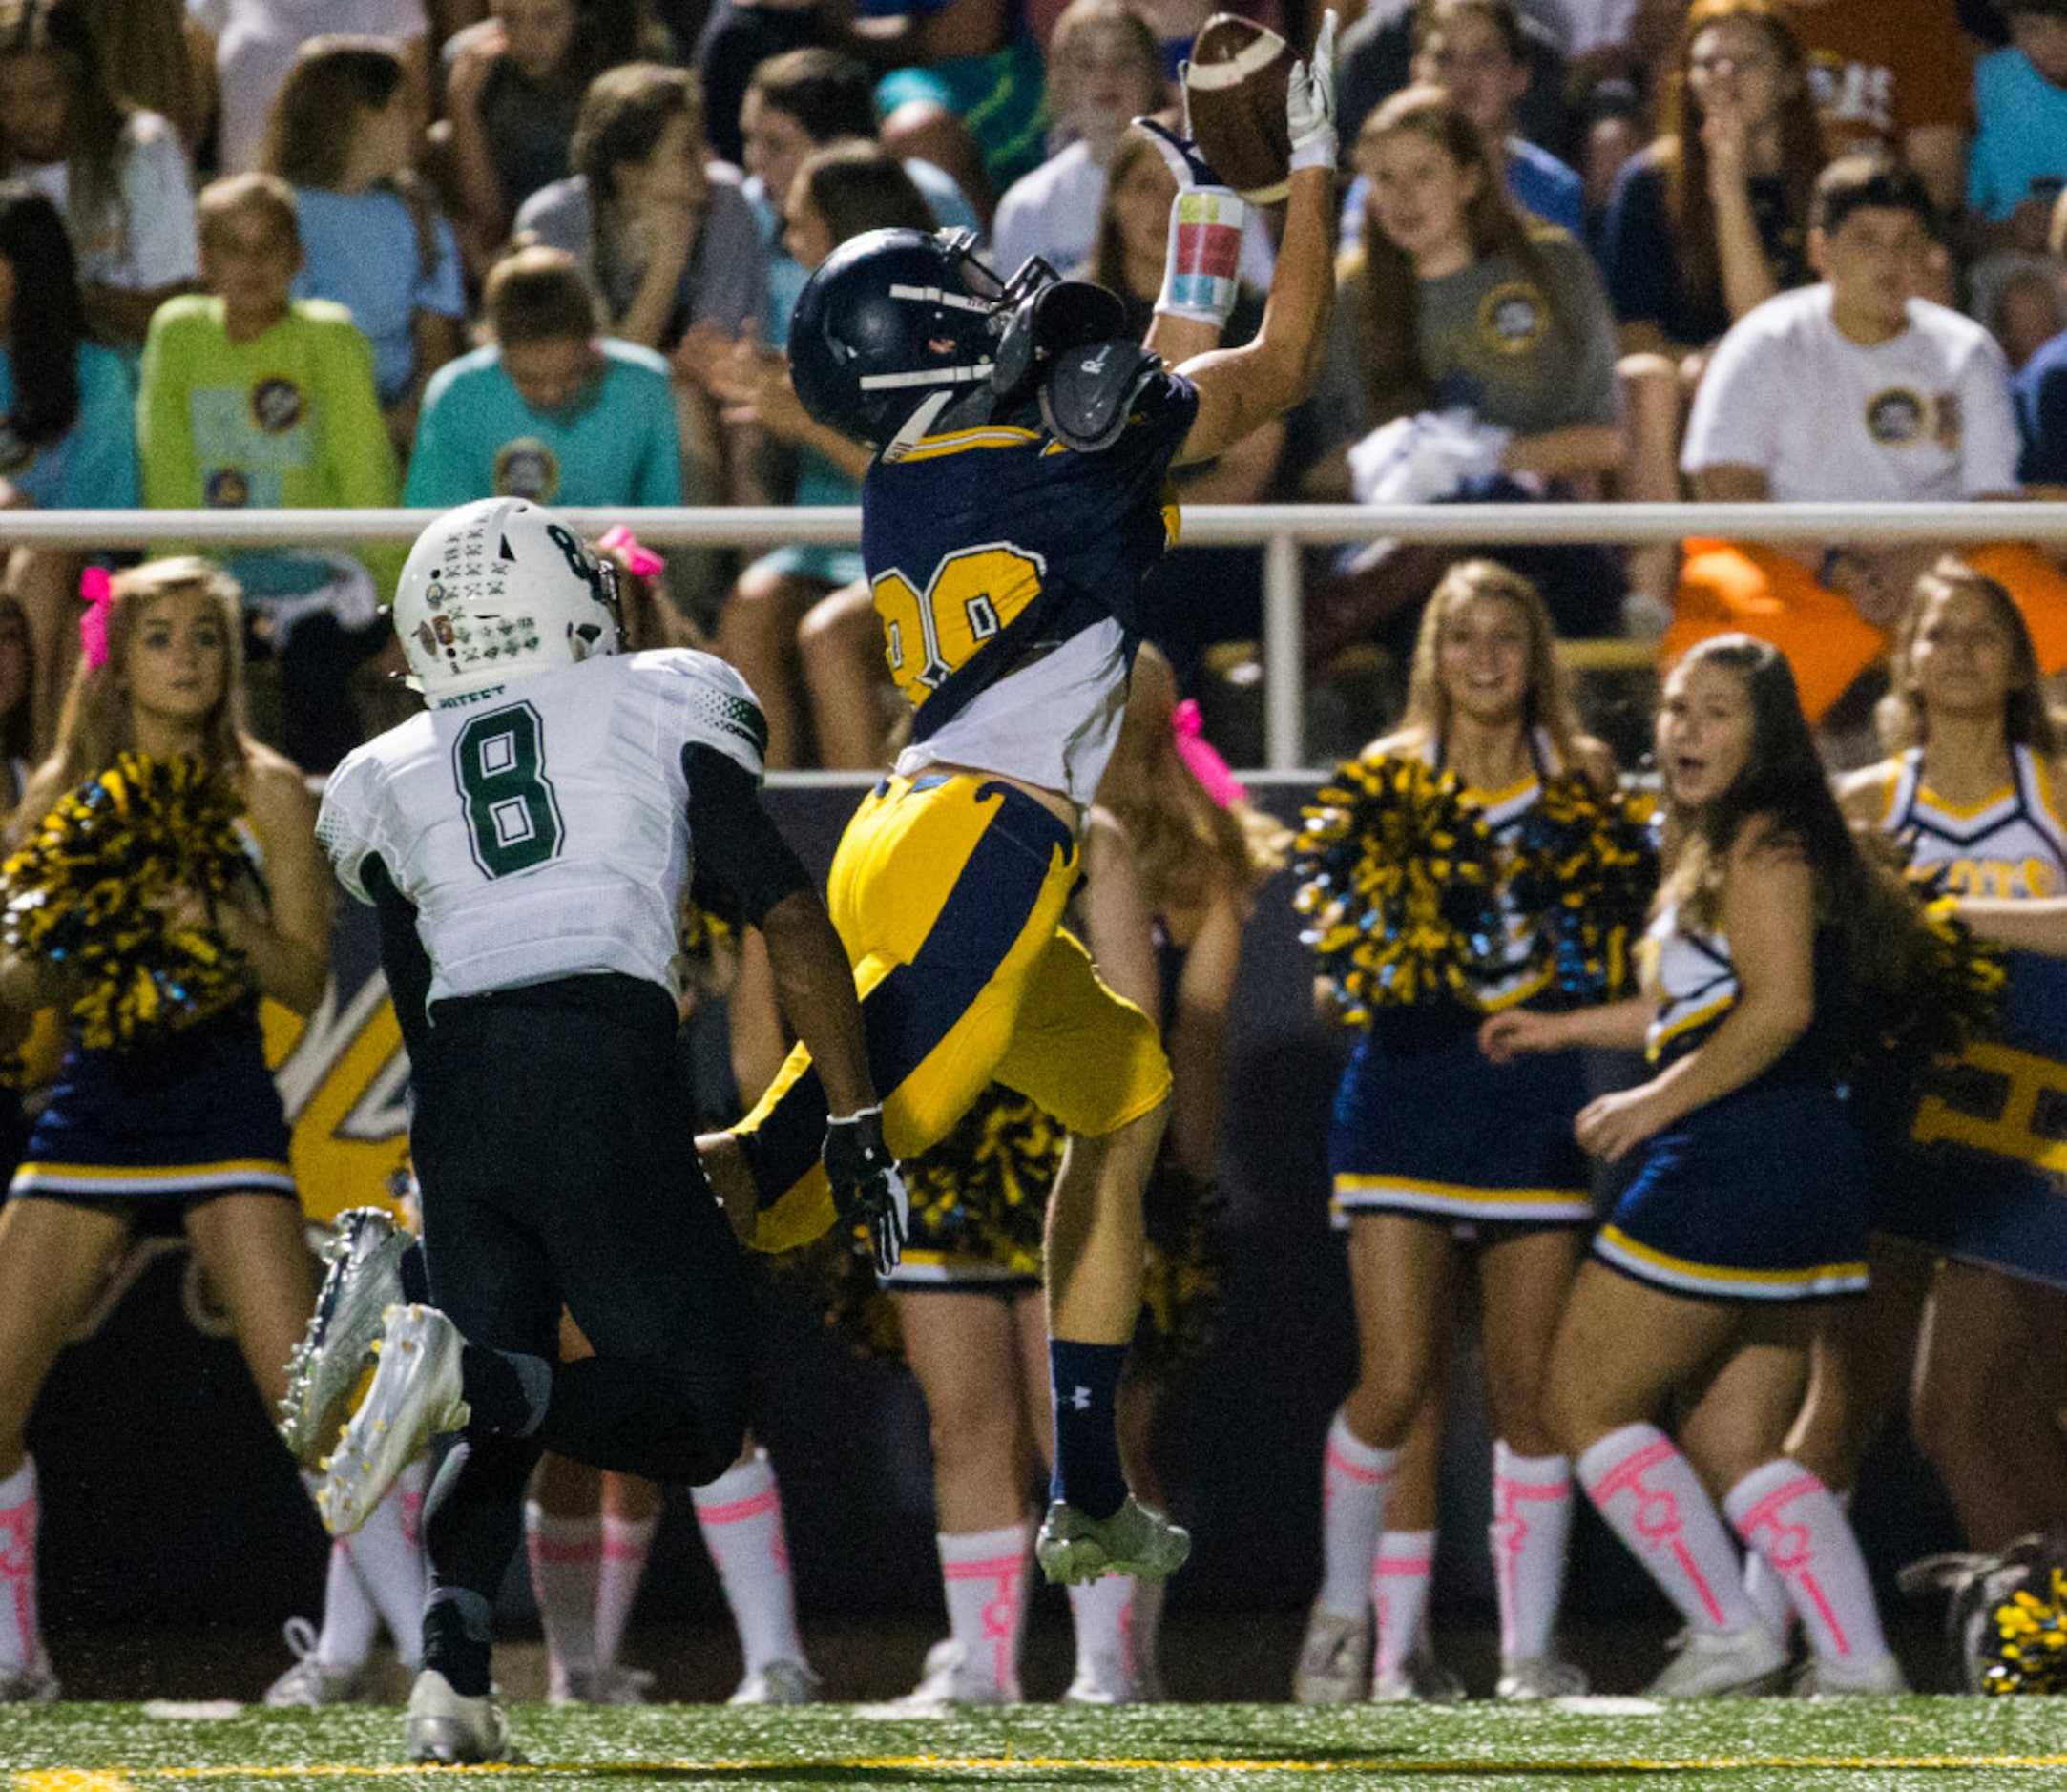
{"points": [[866, 1189]]}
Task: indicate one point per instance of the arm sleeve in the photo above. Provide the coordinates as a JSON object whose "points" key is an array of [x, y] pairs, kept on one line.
{"points": [[744, 866], [403, 962], [157, 199], [432, 484], [1989, 441], [1733, 418], [172, 476]]}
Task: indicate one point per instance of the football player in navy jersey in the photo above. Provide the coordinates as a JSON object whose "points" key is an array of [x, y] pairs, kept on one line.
{"points": [[525, 843], [1019, 491]]}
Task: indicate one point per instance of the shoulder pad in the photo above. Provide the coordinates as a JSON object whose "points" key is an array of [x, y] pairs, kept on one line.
{"points": [[1086, 393], [723, 710]]}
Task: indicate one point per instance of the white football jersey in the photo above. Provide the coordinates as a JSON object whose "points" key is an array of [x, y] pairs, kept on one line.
{"points": [[541, 829]]}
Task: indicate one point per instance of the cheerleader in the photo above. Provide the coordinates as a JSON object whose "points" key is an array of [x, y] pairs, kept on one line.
{"points": [[186, 1127], [1749, 1202], [1970, 787], [1429, 1199]]}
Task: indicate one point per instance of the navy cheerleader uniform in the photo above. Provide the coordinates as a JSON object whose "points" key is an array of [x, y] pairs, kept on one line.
{"points": [[167, 1125], [1760, 1195], [1427, 1126], [1984, 1206]]}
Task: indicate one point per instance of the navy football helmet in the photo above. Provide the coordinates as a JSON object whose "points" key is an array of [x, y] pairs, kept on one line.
{"points": [[901, 332]]}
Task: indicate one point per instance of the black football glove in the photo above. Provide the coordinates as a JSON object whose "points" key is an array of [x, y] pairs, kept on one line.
{"points": [[866, 1190]]}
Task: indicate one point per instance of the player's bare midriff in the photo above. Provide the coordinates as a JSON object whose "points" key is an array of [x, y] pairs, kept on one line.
{"points": [[1059, 805]]}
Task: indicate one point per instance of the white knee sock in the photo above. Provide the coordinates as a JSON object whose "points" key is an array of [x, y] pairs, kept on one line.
{"points": [[985, 1572], [1101, 1613], [627, 1542], [1796, 1524], [565, 1557], [389, 1562], [350, 1620], [1355, 1478], [740, 1513], [1654, 1502], [1399, 1596], [21, 1641], [1531, 1519]]}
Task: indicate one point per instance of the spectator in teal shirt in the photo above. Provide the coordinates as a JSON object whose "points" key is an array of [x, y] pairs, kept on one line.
{"points": [[551, 411]]}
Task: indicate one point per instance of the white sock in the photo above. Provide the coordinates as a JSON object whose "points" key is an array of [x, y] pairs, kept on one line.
{"points": [[350, 1620], [1531, 1519], [21, 1641], [627, 1542], [1796, 1524], [565, 1557], [742, 1516], [1355, 1478], [1399, 1596], [1144, 1636], [385, 1554], [1654, 1502], [1101, 1613], [1768, 1596], [985, 1574]]}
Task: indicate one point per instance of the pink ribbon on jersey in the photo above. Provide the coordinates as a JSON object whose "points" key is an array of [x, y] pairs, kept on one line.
{"points": [[1201, 759], [98, 592], [639, 560]]}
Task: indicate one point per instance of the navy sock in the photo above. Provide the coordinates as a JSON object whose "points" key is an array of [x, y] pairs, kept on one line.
{"points": [[456, 1639], [1086, 1378], [507, 1389]]}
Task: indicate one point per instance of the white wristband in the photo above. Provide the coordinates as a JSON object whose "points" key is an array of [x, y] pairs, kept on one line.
{"points": [[1201, 265]]}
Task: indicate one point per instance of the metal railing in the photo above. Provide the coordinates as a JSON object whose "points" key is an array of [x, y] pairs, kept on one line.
{"points": [[1281, 531]]}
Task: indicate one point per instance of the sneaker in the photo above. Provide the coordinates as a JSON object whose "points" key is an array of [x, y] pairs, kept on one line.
{"points": [[1722, 1664], [415, 1396], [1828, 1680], [1090, 1687], [943, 1690], [1134, 1540], [312, 1680], [1419, 1680], [31, 1685], [778, 1683], [364, 1279], [613, 1685], [444, 1726], [1530, 1678], [1334, 1659]]}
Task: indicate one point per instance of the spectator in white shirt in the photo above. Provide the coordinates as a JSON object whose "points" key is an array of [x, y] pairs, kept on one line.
{"points": [[1853, 392]]}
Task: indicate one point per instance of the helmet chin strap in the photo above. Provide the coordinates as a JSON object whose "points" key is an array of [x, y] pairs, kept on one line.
{"points": [[921, 419]]}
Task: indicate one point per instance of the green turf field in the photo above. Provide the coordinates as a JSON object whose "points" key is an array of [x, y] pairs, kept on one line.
{"points": [[1738, 1745]]}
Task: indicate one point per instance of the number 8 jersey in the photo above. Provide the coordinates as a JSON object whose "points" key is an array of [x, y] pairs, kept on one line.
{"points": [[540, 829]]}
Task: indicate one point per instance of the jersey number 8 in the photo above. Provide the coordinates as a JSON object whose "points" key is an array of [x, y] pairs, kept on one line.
{"points": [[513, 815]]}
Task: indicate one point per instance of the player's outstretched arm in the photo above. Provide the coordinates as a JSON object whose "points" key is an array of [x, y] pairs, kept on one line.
{"points": [[1240, 389]]}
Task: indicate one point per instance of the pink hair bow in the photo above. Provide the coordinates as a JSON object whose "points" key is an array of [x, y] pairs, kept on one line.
{"points": [[97, 591], [640, 561], [1199, 759]]}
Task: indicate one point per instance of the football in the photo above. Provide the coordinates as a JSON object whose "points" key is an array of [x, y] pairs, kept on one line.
{"points": [[1235, 86]]}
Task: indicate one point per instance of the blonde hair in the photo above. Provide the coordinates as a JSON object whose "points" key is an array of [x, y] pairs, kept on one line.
{"points": [[1187, 849], [96, 726], [1547, 706]]}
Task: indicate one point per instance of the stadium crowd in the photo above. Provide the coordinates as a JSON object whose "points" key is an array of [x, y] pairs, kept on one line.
{"points": [[360, 253]]}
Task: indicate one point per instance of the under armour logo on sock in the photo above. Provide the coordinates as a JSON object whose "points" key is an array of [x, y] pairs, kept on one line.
{"points": [[1080, 1399]]}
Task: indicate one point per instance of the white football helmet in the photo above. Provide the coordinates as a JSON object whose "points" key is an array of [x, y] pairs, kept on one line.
{"points": [[497, 591]]}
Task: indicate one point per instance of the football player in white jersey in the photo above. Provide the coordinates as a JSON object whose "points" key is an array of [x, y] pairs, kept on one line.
{"points": [[525, 843]]}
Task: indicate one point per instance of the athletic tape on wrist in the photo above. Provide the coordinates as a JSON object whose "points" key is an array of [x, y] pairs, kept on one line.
{"points": [[1202, 266]]}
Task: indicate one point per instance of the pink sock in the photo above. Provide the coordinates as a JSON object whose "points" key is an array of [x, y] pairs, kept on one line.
{"points": [[985, 1572], [1355, 1478], [1796, 1524], [566, 1559], [740, 1513], [1531, 1517], [1653, 1500], [1399, 1598], [21, 1641]]}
